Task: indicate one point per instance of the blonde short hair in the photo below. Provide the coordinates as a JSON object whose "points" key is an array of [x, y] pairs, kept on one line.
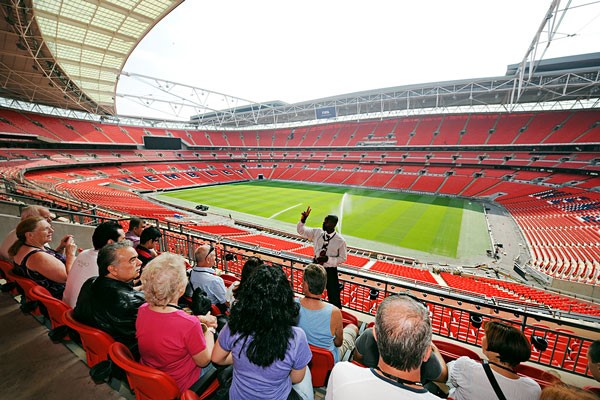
{"points": [[163, 278]]}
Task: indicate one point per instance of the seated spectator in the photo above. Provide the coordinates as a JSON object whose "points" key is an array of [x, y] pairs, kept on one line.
{"points": [[203, 276], [268, 352], [136, 227], [34, 260], [109, 302], [560, 391], [322, 322], [249, 266], [505, 348], [169, 339], [403, 334], [149, 245], [593, 356], [85, 265], [31, 211], [366, 353]]}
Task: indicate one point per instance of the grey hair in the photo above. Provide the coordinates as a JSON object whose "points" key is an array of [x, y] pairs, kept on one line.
{"points": [[403, 332], [316, 278], [163, 278], [108, 254]]}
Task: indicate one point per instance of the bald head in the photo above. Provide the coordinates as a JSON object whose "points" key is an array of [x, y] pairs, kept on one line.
{"points": [[403, 332], [36, 211], [205, 255]]}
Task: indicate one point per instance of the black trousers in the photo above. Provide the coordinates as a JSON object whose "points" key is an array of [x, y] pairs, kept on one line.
{"points": [[333, 287]]}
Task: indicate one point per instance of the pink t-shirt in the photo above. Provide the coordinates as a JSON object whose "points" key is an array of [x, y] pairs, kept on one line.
{"points": [[168, 341]]}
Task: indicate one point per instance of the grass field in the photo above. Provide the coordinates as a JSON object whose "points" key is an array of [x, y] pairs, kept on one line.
{"points": [[425, 223]]}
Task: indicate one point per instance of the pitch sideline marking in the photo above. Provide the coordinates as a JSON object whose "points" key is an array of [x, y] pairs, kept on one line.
{"points": [[282, 211]]}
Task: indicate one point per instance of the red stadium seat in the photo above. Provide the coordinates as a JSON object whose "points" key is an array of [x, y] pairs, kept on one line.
{"points": [[10, 285], [452, 351], [149, 383], [28, 305], [95, 341], [320, 365], [55, 308], [189, 395], [349, 318], [543, 378], [146, 382]]}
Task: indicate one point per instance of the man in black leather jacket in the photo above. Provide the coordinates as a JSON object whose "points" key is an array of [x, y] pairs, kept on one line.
{"points": [[109, 302]]}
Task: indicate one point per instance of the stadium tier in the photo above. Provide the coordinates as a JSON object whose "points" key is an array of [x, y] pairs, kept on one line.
{"points": [[551, 193], [457, 130], [563, 241]]}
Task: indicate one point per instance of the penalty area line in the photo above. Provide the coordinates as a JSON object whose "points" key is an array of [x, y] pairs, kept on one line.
{"points": [[282, 211]]}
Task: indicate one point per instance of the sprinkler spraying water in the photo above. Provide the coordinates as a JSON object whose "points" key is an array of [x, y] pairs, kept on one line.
{"points": [[341, 213]]}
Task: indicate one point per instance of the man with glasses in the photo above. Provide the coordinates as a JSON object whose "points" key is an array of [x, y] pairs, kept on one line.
{"points": [[329, 250], [109, 302], [203, 276]]}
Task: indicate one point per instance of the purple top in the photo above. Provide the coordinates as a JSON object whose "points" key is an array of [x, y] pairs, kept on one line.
{"points": [[273, 382]]}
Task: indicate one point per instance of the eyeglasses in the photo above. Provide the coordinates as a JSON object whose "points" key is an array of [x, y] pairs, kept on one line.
{"points": [[212, 248]]}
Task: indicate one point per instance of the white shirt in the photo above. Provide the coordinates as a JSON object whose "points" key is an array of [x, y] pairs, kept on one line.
{"points": [[336, 249], [467, 381], [84, 267], [351, 382]]}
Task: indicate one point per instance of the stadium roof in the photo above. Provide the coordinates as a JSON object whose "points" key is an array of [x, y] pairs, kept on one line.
{"points": [[69, 54], [566, 82]]}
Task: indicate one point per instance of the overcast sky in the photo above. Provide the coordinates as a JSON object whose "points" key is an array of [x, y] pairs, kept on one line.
{"points": [[294, 51]]}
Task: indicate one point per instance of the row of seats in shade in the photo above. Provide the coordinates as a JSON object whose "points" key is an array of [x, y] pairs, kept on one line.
{"points": [[146, 382]]}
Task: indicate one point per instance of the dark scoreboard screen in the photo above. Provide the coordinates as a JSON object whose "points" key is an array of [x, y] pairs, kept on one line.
{"points": [[162, 143]]}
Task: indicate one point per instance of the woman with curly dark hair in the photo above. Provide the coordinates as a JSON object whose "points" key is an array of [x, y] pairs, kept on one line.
{"points": [[268, 352]]}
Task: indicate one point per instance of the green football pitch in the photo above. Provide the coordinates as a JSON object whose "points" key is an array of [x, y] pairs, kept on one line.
{"points": [[426, 223]]}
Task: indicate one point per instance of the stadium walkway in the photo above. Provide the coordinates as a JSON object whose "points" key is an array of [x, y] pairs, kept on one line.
{"points": [[34, 367]]}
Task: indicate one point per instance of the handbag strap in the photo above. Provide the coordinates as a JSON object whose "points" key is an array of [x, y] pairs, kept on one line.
{"points": [[493, 381]]}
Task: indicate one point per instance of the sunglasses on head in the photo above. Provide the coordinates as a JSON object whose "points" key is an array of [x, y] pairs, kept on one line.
{"points": [[210, 250]]}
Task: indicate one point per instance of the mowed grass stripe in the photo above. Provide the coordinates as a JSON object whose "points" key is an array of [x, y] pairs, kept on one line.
{"points": [[421, 222], [474, 237]]}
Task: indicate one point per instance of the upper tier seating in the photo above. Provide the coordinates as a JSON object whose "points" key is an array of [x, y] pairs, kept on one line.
{"points": [[308, 154], [441, 130]]}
